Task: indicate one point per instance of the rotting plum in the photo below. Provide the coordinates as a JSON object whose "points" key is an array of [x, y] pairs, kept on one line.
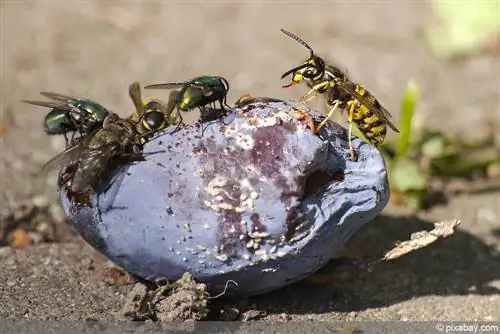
{"points": [[261, 201]]}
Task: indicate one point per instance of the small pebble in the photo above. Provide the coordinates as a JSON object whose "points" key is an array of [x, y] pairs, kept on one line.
{"points": [[57, 213], [493, 171], [5, 251], [40, 201]]}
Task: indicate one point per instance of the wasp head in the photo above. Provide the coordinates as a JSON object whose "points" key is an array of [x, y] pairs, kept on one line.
{"points": [[154, 115], [311, 70]]}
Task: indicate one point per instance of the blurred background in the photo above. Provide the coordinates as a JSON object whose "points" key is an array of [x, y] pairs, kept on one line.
{"points": [[95, 49]]}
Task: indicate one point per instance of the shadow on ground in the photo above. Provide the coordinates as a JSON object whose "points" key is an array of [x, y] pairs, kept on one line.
{"points": [[459, 265]]}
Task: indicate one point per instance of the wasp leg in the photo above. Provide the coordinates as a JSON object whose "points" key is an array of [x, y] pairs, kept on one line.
{"points": [[178, 124], [338, 118], [352, 151], [313, 92], [330, 114]]}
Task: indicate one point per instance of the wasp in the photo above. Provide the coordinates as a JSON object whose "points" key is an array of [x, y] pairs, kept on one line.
{"points": [[364, 110], [87, 161], [71, 114], [154, 114], [197, 93]]}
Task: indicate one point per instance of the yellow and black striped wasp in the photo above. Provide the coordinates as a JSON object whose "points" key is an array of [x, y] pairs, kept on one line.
{"points": [[364, 110], [154, 115]]}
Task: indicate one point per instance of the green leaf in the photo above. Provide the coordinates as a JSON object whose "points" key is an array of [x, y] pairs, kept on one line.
{"points": [[410, 97], [406, 176], [414, 199]]}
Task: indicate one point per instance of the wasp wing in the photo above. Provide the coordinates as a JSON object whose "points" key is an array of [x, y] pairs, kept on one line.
{"points": [[170, 107], [380, 111], [134, 91]]}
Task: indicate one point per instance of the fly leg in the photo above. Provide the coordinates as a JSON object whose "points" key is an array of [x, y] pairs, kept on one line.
{"points": [[66, 138], [223, 103]]}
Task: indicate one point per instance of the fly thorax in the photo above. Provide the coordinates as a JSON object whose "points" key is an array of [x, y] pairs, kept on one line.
{"points": [[190, 98], [184, 103]]}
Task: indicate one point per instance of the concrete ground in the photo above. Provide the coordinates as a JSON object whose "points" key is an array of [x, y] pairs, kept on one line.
{"points": [[95, 49]]}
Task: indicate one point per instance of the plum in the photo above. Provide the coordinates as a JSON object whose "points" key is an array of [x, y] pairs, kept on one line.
{"points": [[256, 199]]}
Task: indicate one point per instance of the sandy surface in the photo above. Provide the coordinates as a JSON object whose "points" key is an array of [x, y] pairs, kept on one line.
{"points": [[95, 49]]}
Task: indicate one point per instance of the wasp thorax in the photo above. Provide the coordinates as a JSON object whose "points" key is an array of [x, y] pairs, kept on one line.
{"points": [[153, 106]]}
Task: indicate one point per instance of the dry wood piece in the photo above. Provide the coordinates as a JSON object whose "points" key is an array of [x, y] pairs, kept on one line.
{"points": [[422, 239]]}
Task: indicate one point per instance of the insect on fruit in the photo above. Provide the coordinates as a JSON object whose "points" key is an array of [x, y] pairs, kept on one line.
{"points": [[196, 93], [154, 114], [248, 99], [87, 161], [70, 114], [364, 110]]}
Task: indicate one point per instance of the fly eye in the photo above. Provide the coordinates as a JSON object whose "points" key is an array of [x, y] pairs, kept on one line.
{"points": [[153, 120]]}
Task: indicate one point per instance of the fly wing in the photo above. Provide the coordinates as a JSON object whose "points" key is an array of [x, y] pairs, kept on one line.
{"points": [[47, 104], [56, 105], [93, 164], [168, 85], [59, 97], [70, 155]]}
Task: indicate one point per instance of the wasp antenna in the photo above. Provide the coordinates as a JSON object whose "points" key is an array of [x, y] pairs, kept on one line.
{"points": [[300, 40]]}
